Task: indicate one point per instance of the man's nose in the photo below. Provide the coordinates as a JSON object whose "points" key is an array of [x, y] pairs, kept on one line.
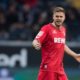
{"points": [[59, 17]]}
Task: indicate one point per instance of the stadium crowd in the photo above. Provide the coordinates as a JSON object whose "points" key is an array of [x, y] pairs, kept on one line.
{"points": [[22, 19]]}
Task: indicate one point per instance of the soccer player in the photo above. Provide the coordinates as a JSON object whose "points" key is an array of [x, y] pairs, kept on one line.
{"points": [[51, 41]]}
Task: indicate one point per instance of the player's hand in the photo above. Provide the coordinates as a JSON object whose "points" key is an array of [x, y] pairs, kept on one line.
{"points": [[36, 44], [77, 57]]}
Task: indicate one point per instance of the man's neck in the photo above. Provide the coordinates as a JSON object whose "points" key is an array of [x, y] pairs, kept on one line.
{"points": [[58, 27]]}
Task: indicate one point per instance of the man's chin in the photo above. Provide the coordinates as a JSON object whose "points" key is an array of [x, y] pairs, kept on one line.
{"points": [[58, 25]]}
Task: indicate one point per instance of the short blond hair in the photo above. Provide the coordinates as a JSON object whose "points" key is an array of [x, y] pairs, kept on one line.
{"points": [[58, 9]]}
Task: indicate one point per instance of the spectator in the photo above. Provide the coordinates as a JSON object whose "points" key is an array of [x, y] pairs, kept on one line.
{"points": [[72, 22], [18, 31], [12, 14]]}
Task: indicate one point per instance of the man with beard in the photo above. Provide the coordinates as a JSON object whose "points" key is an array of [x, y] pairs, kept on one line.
{"points": [[51, 41]]}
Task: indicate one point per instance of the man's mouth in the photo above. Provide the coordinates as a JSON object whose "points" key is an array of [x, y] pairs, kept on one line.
{"points": [[58, 21]]}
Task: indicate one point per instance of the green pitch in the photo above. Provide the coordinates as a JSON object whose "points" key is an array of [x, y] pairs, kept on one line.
{"points": [[31, 74]]}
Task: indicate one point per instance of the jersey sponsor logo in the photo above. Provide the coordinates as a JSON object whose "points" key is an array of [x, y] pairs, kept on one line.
{"points": [[59, 40], [39, 34]]}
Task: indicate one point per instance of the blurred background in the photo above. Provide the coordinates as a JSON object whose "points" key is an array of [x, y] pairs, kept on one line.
{"points": [[20, 21]]}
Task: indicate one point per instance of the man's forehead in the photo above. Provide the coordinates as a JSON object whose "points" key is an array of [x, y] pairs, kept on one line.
{"points": [[59, 13]]}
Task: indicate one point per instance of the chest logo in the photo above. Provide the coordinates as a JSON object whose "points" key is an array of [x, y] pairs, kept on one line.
{"points": [[59, 40]]}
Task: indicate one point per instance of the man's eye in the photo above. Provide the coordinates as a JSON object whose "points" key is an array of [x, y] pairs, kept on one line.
{"points": [[57, 16], [60, 16]]}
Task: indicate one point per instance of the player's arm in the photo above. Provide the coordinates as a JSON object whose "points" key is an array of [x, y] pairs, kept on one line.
{"points": [[36, 44], [72, 53], [40, 37]]}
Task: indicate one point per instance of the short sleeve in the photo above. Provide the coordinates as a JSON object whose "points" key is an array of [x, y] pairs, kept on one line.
{"points": [[42, 34]]}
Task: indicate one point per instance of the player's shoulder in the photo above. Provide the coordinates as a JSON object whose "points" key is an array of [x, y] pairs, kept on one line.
{"points": [[46, 26], [64, 27]]}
